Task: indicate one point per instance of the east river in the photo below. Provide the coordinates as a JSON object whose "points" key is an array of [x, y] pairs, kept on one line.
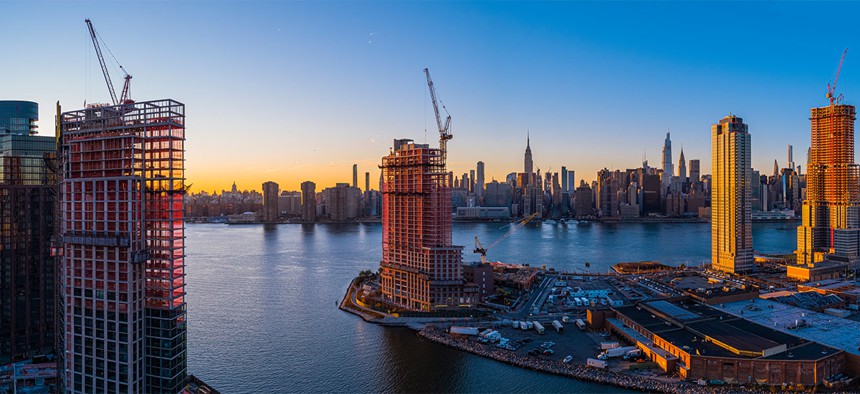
{"points": [[263, 316]]}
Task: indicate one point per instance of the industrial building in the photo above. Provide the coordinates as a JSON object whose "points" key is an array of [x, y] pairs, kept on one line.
{"points": [[122, 246], [697, 341], [27, 223]]}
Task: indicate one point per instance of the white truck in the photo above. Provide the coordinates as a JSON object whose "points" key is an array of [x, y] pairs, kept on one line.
{"points": [[592, 362], [459, 330], [524, 326], [616, 352], [558, 327], [580, 324], [606, 345], [539, 328]]}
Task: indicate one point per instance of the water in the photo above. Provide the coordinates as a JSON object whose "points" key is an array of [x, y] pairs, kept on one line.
{"points": [[263, 317]]}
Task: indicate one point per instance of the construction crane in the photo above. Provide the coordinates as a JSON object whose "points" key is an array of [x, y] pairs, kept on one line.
{"points": [[479, 248], [126, 87], [831, 89], [444, 130]]}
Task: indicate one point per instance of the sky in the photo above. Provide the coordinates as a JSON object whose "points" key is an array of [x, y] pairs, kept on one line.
{"points": [[295, 91]]}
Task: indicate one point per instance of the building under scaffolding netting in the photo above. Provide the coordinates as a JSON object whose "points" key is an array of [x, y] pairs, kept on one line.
{"points": [[122, 237]]}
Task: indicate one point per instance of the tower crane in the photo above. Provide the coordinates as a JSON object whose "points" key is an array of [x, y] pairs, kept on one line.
{"points": [[479, 248], [444, 130], [831, 89], [126, 87]]}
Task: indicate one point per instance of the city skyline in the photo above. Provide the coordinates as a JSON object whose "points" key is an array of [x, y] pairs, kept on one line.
{"points": [[502, 70]]}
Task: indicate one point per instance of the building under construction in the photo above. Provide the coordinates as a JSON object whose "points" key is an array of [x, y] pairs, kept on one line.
{"points": [[421, 269], [122, 244], [829, 235]]}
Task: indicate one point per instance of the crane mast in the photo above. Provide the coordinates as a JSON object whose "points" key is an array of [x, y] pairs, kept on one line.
{"points": [[444, 134], [126, 87], [831, 89]]}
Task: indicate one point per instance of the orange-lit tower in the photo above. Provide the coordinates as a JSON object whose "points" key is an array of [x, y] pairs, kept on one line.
{"points": [[830, 223], [421, 269], [122, 275]]}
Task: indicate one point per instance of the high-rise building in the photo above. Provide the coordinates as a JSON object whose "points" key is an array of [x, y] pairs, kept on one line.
{"points": [[668, 168], [271, 210], [583, 201], [366, 181], [564, 185], [790, 152], [27, 222], [830, 210], [355, 175], [471, 184], [309, 202], [122, 231], [682, 167], [571, 181], [341, 202], [695, 172], [18, 117], [421, 268], [479, 181], [528, 166], [731, 205]]}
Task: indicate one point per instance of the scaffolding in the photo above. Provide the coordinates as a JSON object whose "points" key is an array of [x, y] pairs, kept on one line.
{"points": [[123, 243], [421, 268], [831, 181]]}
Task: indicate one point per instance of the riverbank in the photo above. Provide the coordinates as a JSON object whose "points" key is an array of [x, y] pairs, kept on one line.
{"points": [[575, 371]]}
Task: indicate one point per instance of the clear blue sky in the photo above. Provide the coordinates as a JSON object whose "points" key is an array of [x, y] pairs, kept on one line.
{"points": [[291, 91]]}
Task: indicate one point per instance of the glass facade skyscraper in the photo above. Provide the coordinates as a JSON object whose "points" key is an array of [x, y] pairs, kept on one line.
{"points": [[18, 117], [27, 198]]}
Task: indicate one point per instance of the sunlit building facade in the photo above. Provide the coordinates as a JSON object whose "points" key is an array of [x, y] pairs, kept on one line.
{"points": [[731, 205], [421, 268], [831, 211], [123, 254]]}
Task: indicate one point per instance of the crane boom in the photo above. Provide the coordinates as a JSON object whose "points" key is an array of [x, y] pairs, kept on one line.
{"points": [[444, 133], [102, 62], [832, 89]]}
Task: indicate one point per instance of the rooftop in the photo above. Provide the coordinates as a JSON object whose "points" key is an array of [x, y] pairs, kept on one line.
{"points": [[825, 329]]}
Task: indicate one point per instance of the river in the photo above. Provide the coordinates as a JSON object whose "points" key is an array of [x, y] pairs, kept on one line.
{"points": [[263, 316]]}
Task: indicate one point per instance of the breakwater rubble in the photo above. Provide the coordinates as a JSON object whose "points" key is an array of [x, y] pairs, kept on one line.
{"points": [[576, 371]]}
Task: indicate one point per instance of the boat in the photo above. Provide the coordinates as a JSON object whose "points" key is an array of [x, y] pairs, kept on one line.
{"points": [[550, 222], [567, 359]]}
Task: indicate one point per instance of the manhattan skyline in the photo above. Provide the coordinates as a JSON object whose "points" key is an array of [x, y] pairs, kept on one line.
{"points": [[322, 86]]}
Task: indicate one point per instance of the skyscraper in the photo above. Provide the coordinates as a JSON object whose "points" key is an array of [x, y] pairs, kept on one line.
{"points": [[355, 175], [682, 167], [830, 211], [271, 211], [695, 173], [528, 166], [479, 182], [731, 211], [367, 181], [421, 268], [309, 202], [790, 150], [27, 269], [122, 229], [668, 169], [564, 186]]}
